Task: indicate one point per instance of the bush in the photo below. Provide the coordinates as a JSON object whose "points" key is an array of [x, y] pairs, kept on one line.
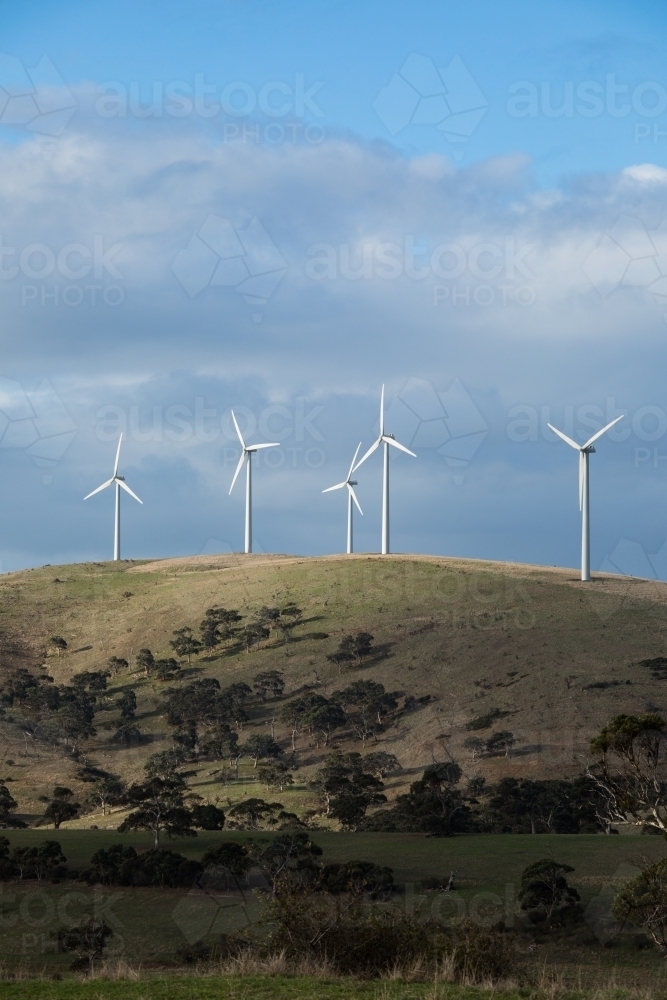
{"points": [[357, 877], [120, 865], [87, 940]]}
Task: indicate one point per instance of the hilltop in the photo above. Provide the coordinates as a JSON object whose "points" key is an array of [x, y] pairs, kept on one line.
{"points": [[522, 648]]}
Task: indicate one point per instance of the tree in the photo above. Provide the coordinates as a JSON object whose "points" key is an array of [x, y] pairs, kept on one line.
{"points": [[346, 789], [40, 862], [500, 743], [127, 703], [434, 805], [220, 741], [630, 770], [259, 747], [219, 625], [353, 648], [145, 660], [86, 940], [160, 803], [61, 808], [250, 813], [208, 817], [230, 858], [276, 774], [324, 719], [269, 684], [288, 861], [294, 713], [476, 745], [290, 617], [643, 901], [185, 643], [254, 632], [380, 763], [93, 682], [106, 791], [543, 884], [117, 663], [58, 643], [8, 805], [370, 703], [167, 668]]}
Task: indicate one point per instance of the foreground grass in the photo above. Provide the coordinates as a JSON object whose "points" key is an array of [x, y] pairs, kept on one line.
{"points": [[282, 987]]}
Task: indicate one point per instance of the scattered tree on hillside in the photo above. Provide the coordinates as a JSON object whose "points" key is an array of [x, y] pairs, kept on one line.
{"points": [[434, 805], [346, 789], [185, 644], [630, 770], [254, 633], [61, 807], [352, 648], [260, 747], [59, 644], [92, 682], [8, 805], [117, 663], [370, 704], [127, 703], [276, 774], [207, 817], [380, 763], [500, 743], [249, 814], [219, 625], [106, 791], [219, 742], [159, 803], [145, 660], [17, 687], [476, 745], [323, 720], [167, 669], [269, 684]]}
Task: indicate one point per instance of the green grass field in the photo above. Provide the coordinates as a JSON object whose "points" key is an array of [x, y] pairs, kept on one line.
{"points": [[151, 925]]}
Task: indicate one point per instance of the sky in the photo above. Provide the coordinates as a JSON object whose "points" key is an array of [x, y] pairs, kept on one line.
{"points": [[277, 209]]}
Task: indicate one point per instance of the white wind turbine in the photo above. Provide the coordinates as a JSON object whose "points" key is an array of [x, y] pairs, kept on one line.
{"points": [[247, 450], [120, 483], [584, 451], [351, 495], [386, 440]]}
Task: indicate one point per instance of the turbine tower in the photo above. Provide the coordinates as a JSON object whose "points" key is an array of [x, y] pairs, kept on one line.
{"points": [[584, 451], [351, 495], [120, 484], [386, 440], [247, 450]]}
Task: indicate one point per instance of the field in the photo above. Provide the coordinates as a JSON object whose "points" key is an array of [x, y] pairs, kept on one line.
{"points": [[151, 925], [556, 658]]}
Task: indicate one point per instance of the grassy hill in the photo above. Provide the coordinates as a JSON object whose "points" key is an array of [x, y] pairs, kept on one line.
{"points": [[550, 657]]}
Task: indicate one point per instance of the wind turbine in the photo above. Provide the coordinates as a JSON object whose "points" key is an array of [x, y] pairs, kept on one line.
{"points": [[120, 483], [351, 495], [247, 449], [584, 451], [386, 440]]}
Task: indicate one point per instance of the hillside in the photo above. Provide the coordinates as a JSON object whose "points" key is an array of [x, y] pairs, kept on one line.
{"points": [[553, 658]]}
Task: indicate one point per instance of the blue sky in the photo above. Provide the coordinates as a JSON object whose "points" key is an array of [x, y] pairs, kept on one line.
{"points": [[279, 207]]}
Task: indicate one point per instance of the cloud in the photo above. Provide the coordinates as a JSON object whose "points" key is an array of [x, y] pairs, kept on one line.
{"points": [[395, 269]]}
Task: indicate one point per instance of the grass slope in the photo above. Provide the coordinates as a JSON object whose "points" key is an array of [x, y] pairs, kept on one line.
{"points": [[555, 656]]}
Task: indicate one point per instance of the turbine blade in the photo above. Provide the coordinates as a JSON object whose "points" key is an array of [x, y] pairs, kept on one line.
{"points": [[582, 465], [395, 444], [115, 468], [338, 486], [603, 431], [238, 430], [100, 488], [354, 460], [382, 412], [566, 439], [368, 453], [354, 497], [127, 489], [238, 469], [256, 447]]}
